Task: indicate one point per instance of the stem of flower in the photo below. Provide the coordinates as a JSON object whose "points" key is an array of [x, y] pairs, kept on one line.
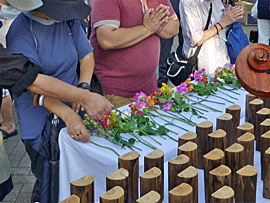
{"points": [[208, 107], [222, 98], [179, 115], [148, 135], [141, 140], [228, 95], [105, 147]]}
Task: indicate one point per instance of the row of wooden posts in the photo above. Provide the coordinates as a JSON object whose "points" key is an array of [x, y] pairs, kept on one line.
{"points": [[226, 155]]}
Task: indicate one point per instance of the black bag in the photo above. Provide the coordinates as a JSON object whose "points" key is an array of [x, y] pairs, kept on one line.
{"points": [[253, 36], [180, 67]]}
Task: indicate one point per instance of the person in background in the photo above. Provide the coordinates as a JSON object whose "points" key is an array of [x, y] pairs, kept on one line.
{"points": [[126, 41], [264, 21], [193, 15]]}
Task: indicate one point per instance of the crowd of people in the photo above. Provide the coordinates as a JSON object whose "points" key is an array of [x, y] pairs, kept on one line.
{"points": [[49, 61]]}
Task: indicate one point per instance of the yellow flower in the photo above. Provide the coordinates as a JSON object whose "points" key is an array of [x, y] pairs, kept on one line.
{"points": [[162, 89], [164, 84], [224, 74], [229, 74]]}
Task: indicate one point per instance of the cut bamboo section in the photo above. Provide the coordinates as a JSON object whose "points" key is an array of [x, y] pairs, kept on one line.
{"points": [[249, 98], [224, 122], [151, 180], [189, 149], [234, 159], [118, 178], [175, 166], [264, 127], [114, 195], [217, 139], [71, 199], [190, 176], [235, 111], [202, 131], [223, 195], [212, 159], [183, 193], [266, 181], [150, 197], [242, 129], [247, 141], [189, 136], [265, 144], [83, 188], [266, 102], [218, 178], [246, 184], [261, 115], [130, 162]]}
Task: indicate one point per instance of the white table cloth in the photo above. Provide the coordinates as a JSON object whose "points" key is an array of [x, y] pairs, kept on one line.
{"points": [[79, 159]]}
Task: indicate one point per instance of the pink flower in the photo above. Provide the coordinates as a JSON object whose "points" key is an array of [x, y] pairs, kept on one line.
{"points": [[168, 106], [198, 75], [183, 87], [140, 97], [142, 106]]}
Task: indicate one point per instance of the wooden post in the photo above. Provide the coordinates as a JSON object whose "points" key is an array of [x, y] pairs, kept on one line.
{"points": [[234, 159], [254, 106], [118, 178], [224, 122], [265, 144], [155, 159], [130, 162], [190, 176], [246, 184], [246, 127], [175, 166], [249, 98], [71, 199], [151, 180], [266, 181], [217, 139], [181, 194], [83, 188], [189, 136], [235, 111], [150, 197], [189, 149], [261, 115], [223, 195], [219, 177], [264, 127], [247, 141], [202, 131], [114, 195], [266, 102], [212, 159]]}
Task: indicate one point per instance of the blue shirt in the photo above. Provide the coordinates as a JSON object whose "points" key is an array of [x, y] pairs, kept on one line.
{"points": [[56, 47]]}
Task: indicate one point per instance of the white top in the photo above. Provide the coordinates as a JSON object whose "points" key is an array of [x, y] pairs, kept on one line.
{"points": [[193, 15]]}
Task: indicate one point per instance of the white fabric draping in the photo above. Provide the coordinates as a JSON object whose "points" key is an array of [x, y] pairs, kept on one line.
{"points": [[79, 159]]}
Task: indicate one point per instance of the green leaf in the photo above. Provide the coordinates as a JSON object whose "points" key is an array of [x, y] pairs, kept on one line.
{"points": [[131, 142], [201, 84], [121, 124], [162, 130], [163, 101]]}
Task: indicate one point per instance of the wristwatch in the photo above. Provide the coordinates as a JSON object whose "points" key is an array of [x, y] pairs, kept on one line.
{"points": [[83, 85]]}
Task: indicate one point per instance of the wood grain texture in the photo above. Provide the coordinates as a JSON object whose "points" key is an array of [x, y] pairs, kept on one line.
{"points": [[217, 139], [189, 136], [189, 149], [71, 199], [114, 195], [183, 193], [223, 195], [261, 115], [266, 181], [247, 141], [150, 197], [224, 122], [235, 111], [265, 144]]}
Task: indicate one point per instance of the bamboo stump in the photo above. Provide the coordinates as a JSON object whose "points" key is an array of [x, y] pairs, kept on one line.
{"points": [[261, 115], [71, 199], [175, 166], [235, 111], [254, 106], [118, 178], [217, 139], [114, 195], [247, 141], [266, 181], [264, 127], [130, 162], [212, 159], [83, 188], [246, 184], [189, 136], [224, 122], [151, 180], [181, 194], [234, 159], [266, 102], [189, 149], [265, 144], [202, 131], [223, 195], [218, 178], [150, 197], [155, 159], [249, 98], [190, 176], [242, 129]]}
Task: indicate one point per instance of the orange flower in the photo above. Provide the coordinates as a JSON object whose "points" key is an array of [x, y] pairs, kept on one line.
{"points": [[216, 75], [187, 81], [190, 87], [150, 101]]}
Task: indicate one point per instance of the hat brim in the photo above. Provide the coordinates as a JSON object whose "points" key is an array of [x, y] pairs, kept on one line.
{"points": [[25, 5], [65, 10]]}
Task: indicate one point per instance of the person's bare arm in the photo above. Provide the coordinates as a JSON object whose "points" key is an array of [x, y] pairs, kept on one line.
{"points": [[95, 104], [170, 29]]}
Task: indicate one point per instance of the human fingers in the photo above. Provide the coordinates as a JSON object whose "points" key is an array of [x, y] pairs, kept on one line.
{"points": [[83, 135], [161, 11]]}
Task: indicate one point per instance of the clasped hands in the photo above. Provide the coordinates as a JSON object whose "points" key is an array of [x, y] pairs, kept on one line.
{"points": [[231, 14]]}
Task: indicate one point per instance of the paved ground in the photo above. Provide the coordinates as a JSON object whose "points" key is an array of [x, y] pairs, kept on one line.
{"points": [[23, 179]]}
